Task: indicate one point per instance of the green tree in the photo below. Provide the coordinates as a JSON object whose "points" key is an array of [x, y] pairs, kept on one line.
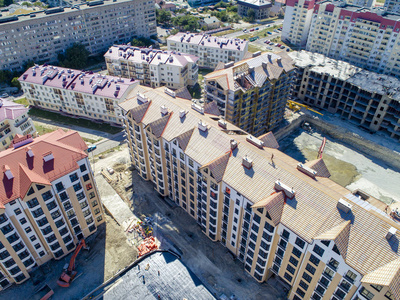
{"points": [[75, 57], [163, 16], [5, 76], [186, 22], [251, 15], [141, 42], [15, 83]]}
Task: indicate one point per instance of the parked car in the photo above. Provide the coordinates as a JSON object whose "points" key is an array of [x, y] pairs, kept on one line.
{"points": [[257, 28], [5, 95], [251, 29], [267, 41], [269, 48], [269, 32], [110, 170], [279, 45], [287, 49], [282, 47], [244, 30]]}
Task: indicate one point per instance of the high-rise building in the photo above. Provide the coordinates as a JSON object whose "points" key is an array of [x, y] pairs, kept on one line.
{"points": [[367, 38], [252, 94], [49, 202], [261, 8], [365, 98], [392, 6], [14, 120], [41, 36], [276, 215], [82, 94], [152, 67], [210, 49]]}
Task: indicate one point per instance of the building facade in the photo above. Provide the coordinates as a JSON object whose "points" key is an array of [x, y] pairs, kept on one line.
{"points": [[261, 8], [364, 98], [392, 6], [279, 217], [14, 120], [153, 67], [49, 202], [368, 38], [81, 94], [210, 49], [41, 36], [252, 93]]}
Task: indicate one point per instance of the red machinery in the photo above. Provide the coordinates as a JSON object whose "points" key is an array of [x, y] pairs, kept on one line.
{"points": [[321, 149], [69, 273]]}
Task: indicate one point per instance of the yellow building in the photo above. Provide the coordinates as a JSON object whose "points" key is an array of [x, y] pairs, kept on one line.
{"points": [[280, 217], [48, 202]]}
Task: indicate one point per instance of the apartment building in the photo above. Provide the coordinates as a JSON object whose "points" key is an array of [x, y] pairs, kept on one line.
{"points": [[14, 120], [365, 98], [49, 202], [261, 8], [368, 38], [392, 6], [152, 67], [72, 92], [210, 49], [41, 36], [278, 216], [252, 93]]}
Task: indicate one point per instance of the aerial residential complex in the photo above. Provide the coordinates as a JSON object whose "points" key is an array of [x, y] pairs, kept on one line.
{"points": [[368, 38], [392, 6], [153, 67], [49, 202], [365, 98], [210, 49], [278, 216], [41, 36], [261, 8], [14, 120], [78, 93], [252, 93]]}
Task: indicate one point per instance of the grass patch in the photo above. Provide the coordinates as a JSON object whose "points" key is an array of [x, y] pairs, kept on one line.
{"points": [[89, 141], [72, 121], [254, 48], [221, 33], [22, 101], [42, 129], [260, 33]]}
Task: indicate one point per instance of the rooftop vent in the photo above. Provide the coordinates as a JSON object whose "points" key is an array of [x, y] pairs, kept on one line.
{"points": [[222, 123], [170, 92], [344, 206], [7, 172], [198, 108], [48, 156], [142, 98], [247, 162], [233, 144], [289, 192], [202, 126], [164, 110], [29, 152], [117, 87], [251, 69], [256, 142], [182, 113], [392, 232], [229, 64], [258, 53], [306, 170]]}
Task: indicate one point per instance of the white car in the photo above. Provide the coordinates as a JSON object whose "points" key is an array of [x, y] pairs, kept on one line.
{"points": [[110, 170]]}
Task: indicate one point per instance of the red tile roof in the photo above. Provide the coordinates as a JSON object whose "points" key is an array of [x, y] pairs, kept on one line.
{"points": [[67, 148]]}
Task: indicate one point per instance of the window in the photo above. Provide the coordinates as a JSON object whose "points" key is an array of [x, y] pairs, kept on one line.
{"points": [[28, 229], [346, 286], [40, 187], [293, 261], [310, 269], [335, 249], [9, 263], [59, 253], [17, 211], [89, 220], [300, 292], [73, 177], [92, 195], [314, 260], [299, 242], [7, 229], [51, 238], [64, 196], [389, 295], [290, 269], [325, 281], [22, 221], [80, 196], [32, 203], [99, 218], [83, 168], [268, 227], [318, 250], [320, 289], [51, 205], [285, 234], [63, 231], [257, 218], [307, 277], [55, 214], [329, 272], [326, 243], [367, 294], [377, 287], [43, 221], [60, 223], [296, 252], [77, 187], [33, 238], [85, 177], [4, 255], [46, 230], [303, 285], [30, 192], [59, 187], [42, 253], [47, 195], [89, 186], [84, 204], [351, 276], [333, 263], [288, 277], [67, 239]]}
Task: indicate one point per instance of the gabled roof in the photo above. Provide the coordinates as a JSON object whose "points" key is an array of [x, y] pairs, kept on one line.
{"points": [[184, 93], [220, 66], [139, 111], [320, 167], [387, 275], [269, 140], [211, 108], [274, 206], [217, 167], [340, 235], [183, 139], [158, 126], [27, 177]]}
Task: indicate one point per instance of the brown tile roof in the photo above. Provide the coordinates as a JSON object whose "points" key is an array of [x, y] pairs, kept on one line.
{"points": [[184, 93], [138, 112], [158, 126], [183, 139], [66, 147], [211, 108], [220, 66], [217, 167], [319, 166], [273, 205], [269, 140], [340, 235]]}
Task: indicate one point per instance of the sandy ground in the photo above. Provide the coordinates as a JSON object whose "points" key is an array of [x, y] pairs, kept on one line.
{"points": [[348, 167]]}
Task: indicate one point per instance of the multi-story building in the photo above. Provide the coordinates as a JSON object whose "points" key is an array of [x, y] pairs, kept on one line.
{"points": [[41, 36], [365, 98], [210, 49], [392, 6], [368, 38], [278, 216], [49, 202], [261, 8], [14, 120], [197, 3], [82, 94], [152, 67], [252, 93]]}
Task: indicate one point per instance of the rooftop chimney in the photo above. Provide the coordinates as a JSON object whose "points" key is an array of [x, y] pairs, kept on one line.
{"points": [[233, 144], [182, 113], [48, 156], [202, 126], [392, 232], [164, 110], [247, 162]]}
